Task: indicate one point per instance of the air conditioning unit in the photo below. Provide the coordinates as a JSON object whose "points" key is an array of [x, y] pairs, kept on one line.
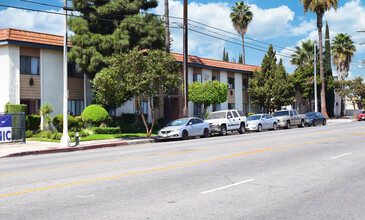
{"points": [[230, 86]]}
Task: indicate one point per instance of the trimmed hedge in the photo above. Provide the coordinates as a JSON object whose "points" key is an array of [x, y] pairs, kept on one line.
{"points": [[58, 122], [95, 114], [129, 118], [13, 108], [33, 122], [106, 130]]}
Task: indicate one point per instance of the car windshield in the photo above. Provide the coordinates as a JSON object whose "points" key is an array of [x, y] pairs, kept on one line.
{"points": [[310, 114], [254, 117], [216, 115], [281, 113], [178, 122]]}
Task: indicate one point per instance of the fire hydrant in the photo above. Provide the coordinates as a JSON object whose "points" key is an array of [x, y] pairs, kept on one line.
{"points": [[77, 139]]}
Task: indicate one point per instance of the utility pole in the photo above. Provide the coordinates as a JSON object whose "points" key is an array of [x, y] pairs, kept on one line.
{"points": [[65, 140], [185, 64], [315, 78], [167, 27]]}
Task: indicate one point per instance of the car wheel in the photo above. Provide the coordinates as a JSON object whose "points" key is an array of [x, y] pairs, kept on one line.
{"points": [[242, 128], [288, 124], [324, 122], [206, 132], [274, 126], [185, 135], [223, 130], [301, 124], [315, 123], [259, 128]]}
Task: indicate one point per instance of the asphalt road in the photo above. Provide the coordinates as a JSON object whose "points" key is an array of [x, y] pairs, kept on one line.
{"points": [[301, 173]]}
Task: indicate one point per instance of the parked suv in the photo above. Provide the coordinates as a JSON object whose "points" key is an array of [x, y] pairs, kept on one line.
{"points": [[287, 118], [227, 120]]}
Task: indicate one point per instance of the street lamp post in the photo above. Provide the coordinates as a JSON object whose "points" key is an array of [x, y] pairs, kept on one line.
{"points": [[315, 78], [65, 140]]}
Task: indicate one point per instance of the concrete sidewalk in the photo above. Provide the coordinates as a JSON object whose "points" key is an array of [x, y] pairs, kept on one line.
{"points": [[40, 147]]}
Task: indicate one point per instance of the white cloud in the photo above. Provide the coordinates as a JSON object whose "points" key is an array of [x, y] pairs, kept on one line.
{"points": [[303, 28], [270, 23], [32, 21]]}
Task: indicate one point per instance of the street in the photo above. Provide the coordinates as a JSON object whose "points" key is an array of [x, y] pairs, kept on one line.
{"points": [[299, 173]]}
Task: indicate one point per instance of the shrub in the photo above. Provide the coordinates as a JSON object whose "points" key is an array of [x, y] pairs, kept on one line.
{"points": [[28, 134], [83, 133], [95, 114], [129, 118], [132, 128], [106, 130], [33, 122], [71, 134], [58, 122], [12, 108], [161, 121], [114, 121]]}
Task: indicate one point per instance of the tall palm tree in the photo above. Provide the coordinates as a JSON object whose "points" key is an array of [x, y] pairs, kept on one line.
{"points": [[167, 27], [320, 7], [241, 16], [303, 55], [342, 49]]}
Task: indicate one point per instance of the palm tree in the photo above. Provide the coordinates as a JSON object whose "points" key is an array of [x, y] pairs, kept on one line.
{"points": [[303, 55], [241, 16], [320, 7], [342, 49], [167, 27]]}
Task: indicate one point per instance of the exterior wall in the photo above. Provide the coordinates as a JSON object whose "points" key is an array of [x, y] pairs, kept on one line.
{"points": [[51, 70], [4, 75], [128, 107], [88, 93], [224, 79], [337, 107], [30, 91], [238, 91]]}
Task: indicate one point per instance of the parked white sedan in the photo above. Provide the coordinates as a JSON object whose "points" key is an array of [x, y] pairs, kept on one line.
{"points": [[185, 128], [259, 122]]}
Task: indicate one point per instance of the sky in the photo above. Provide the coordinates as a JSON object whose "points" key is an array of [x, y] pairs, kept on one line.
{"points": [[281, 23]]}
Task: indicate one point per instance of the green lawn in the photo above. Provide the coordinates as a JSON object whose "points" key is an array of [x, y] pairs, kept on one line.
{"points": [[96, 137]]}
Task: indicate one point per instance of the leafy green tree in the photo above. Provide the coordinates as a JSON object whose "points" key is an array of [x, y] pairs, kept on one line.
{"points": [[241, 16], [240, 58], [303, 55], [271, 87], [206, 94], [140, 75], [109, 27], [327, 65], [353, 91], [225, 55], [320, 7]]}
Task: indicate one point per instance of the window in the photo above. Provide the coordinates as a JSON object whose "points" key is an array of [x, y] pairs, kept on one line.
{"points": [[75, 107], [229, 115], [217, 107], [235, 114], [198, 121], [230, 82], [231, 106], [197, 77], [29, 65], [241, 113], [215, 78], [73, 70], [144, 107], [245, 84]]}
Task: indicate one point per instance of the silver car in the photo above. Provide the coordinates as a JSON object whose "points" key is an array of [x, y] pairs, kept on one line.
{"points": [[185, 128], [259, 122]]}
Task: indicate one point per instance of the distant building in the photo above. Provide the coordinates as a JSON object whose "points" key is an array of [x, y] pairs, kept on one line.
{"points": [[32, 68]]}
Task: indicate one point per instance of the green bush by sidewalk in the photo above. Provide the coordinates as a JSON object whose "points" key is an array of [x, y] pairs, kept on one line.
{"points": [[58, 122], [95, 114], [106, 130], [13, 108], [33, 122]]}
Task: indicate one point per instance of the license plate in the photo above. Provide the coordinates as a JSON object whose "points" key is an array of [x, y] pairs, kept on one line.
{"points": [[363, 117], [165, 135]]}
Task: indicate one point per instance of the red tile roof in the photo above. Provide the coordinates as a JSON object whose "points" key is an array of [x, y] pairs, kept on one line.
{"points": [[31, 37], [216, 63], [56, 40]]}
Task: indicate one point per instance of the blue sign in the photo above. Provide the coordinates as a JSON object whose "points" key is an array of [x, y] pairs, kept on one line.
{"points": [[5, 128]]}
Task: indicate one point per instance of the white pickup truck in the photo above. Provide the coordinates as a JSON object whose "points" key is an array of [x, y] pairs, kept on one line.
{"points": [[227, 120]]}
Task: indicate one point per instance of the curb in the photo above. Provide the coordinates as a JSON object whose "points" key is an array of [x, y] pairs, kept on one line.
{"points": [[80, 148]]}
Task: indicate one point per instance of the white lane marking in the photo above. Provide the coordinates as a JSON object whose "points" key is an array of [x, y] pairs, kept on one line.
{"points": [[340, 156], [224, 187], [85, 196]]}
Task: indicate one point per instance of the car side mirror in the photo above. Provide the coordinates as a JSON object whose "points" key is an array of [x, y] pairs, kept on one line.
{"points": [[190, 123], [229, 116]]}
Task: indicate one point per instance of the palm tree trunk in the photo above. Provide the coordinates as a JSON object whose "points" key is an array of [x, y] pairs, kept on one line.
{"points": [[167, 27], [243, 50], [321, 71]]}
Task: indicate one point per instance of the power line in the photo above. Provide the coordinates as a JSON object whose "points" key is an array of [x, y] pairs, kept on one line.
{"points": [[40, 3]]}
